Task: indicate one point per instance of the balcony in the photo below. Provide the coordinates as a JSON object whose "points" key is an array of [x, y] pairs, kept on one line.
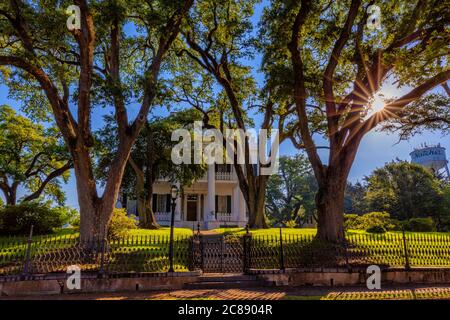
{"points": [[163, 216], [224, 175], [223, 216]]}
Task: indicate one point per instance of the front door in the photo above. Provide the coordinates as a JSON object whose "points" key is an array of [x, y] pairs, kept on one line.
{"points": [[192, 208]]}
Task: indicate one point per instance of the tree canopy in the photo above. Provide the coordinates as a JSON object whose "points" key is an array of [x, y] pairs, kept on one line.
{"points": [[96, 64], [32, 157], [332, 61], [290, 192], [405, 190]]}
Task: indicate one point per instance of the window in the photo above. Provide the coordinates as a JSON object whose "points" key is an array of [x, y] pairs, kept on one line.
{"points": [[223, 168], [161, 202], [223, 204]]}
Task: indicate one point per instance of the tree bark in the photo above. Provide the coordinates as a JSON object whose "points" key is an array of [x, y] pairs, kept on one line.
{"points": [[150, 219], [330, 208], [256, 203], [144, 191]]}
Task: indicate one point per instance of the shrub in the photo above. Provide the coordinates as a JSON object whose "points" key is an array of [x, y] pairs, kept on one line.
{"points": [[17, 220], [420, 225], [351, 221], [444, 224], [372, 219], [369, 220], [76, 222], [120, 224], [290, 224], [376, 229]]}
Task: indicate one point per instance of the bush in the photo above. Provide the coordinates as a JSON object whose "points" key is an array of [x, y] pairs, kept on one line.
{"points": [[376, 229], [290, 224], [369, 220], [351, 221], [76, 222], [420, 225], [444, 225], [120, 224], [18, 219]]}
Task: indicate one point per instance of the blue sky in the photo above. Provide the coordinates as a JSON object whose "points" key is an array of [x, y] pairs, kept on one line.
{"points": [[376, 149]]}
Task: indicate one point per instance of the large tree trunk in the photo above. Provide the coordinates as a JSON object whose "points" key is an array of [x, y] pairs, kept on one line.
{"points": [[256, 203], [95, 212], [150, 219], [330, 212], [330, 196], [147, 217]]}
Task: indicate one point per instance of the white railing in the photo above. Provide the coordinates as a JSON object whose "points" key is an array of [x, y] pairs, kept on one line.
{"points": [[224, 217], [162, 216], [224, 175]]}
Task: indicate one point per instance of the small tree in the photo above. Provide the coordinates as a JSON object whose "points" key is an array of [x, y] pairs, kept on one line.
{"points": [[405, 190], [150, 159], [32, 157], [290, 192], [354, 201], [220, 42]]}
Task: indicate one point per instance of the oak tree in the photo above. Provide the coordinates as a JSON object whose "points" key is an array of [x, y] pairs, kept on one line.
{"points": [[335, 57], [33, 158], [98, 64]]}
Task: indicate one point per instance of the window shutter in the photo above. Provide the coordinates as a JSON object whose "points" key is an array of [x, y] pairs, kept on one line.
{"points": [[228, 204], [154, 201], [217, 203], [168, 203]]}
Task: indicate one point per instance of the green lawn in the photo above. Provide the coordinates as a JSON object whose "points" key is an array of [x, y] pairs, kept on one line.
{"points": [[147, 250], [267, 232]]}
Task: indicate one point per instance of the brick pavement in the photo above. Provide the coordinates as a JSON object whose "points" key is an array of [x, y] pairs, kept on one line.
{"points": [[352, 293]]}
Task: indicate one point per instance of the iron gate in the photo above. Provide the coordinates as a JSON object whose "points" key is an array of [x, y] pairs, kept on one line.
{"points": [[219, 254]]}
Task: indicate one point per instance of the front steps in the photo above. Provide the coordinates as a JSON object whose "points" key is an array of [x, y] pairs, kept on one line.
{"points": [[227, 281]]}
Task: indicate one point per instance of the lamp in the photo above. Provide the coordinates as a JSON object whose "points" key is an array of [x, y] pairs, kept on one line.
{"points": [[174, 196], [174, 192]]}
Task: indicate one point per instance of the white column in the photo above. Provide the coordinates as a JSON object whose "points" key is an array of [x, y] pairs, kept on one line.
{"points": [[211, 197]]}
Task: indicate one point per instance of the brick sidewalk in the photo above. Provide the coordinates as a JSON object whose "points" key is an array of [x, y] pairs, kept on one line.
{"points": [[303, 293]]}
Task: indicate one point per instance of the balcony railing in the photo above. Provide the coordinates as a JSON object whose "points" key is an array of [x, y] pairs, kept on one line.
{"points": [[162, 216], [224, 175], [224, 217]]}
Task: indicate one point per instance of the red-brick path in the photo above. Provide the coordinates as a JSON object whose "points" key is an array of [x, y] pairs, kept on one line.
{"points": [[417, 292]]}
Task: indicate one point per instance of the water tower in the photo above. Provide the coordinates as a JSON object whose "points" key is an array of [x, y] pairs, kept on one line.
{"points": [[432, 157]]}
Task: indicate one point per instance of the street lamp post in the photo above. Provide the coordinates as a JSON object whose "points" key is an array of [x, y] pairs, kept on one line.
{"points": [[174, 195]]}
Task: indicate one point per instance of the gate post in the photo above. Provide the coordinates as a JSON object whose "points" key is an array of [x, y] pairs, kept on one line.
{"points": [[281, 252], [101, 272], [26, 266], [202, 267], [405, 248], [247, 242]]}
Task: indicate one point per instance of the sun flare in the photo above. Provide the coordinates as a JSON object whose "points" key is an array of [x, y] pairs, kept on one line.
{"points": [[378, 103]]}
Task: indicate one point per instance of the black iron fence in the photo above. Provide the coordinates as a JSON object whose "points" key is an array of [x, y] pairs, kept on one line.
{"points": [[386, 250], [52, 254], [139, 254]]}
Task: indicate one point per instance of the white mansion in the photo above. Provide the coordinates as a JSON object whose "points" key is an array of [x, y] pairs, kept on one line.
{"points": [[213, 201]]}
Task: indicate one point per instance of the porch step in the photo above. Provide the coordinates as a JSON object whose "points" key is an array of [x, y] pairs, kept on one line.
{"points": [[227, 282]]}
